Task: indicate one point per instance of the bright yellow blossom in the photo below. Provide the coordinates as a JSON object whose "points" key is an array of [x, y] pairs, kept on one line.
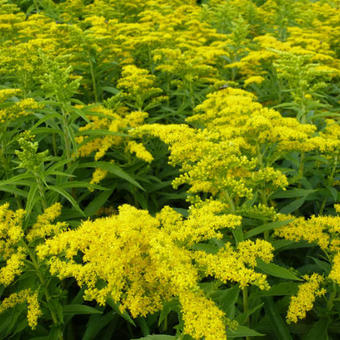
{"points": [[143, 262], [304, 300], [44, 226], [33, 308]]}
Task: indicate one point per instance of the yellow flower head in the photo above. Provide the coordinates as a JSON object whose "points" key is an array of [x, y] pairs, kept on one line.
{"points": [[304, 300]]}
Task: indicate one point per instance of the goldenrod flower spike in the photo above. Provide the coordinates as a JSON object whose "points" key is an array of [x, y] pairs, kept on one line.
{"points": [[144, 261], [305, 298]]}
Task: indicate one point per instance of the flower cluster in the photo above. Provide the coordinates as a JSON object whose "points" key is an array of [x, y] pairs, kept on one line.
{"points": [[225, 159], [141, 262], [17, 255], [213, 129], [12, 252], [303, 302], [33, 308]]}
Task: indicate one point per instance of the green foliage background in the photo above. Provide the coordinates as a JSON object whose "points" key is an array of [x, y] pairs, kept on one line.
{"points": [[73, 95]]}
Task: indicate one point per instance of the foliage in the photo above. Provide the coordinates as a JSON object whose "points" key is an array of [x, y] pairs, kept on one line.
{"points": [[169, 169]]}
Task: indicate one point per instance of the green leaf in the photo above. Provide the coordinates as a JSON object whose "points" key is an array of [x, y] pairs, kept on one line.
{"points": [[100, 133], [238, 234], [226, 300], [318, 330], [280, 245], [58, 173], [209, 248], [276, 270], [97, 203], [55, 305], [293, 206], [17, 179], [253, 310], [325, 266], [333, 192], [96, 323], [20, 326], [144, 327], [13, 190], [292, 193], [157, 337], [46, 130], [266, 227], [78, 184], [281, 289], [168, 307], [32, 198], [173, 196], [55, 334], [140, 199], [326, 114], [242, 331], [65, 194], [124, 315], [78, 112], [6, 322], [280, 328], [110, 89], [184, 212], [45, 117], [113, 169], [77, 309]]}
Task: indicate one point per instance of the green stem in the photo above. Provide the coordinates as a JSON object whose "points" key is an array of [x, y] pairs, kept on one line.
{"points": [[42, 281], [41, 191], [266, 235], [66, 134], [129, 330], [165, 324], [143, 326], [330, 183], [301, 167], [265, 202], [230, 201], [332, 297], [322, 207], [93, 78], [191, 92], [259, 156], [54, 144], [246, 307], [6, 168]]}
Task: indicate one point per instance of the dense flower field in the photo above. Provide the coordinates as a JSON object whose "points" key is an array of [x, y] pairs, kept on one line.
{"points": [[169, 169]]}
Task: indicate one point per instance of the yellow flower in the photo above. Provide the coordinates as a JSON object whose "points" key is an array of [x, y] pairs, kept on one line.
{"points": [[337, 208], [249, 251], [253, 80], [317, 229], [139, 150], [223, 156], [202, 319], [116, 122], [33, 309], [12, 254], [229, 265], [7, 93], [304, 300], [19, 109], [98, 175], [144, 261], [14, 267], [44, 226], [137, 85], [28, 296]]}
